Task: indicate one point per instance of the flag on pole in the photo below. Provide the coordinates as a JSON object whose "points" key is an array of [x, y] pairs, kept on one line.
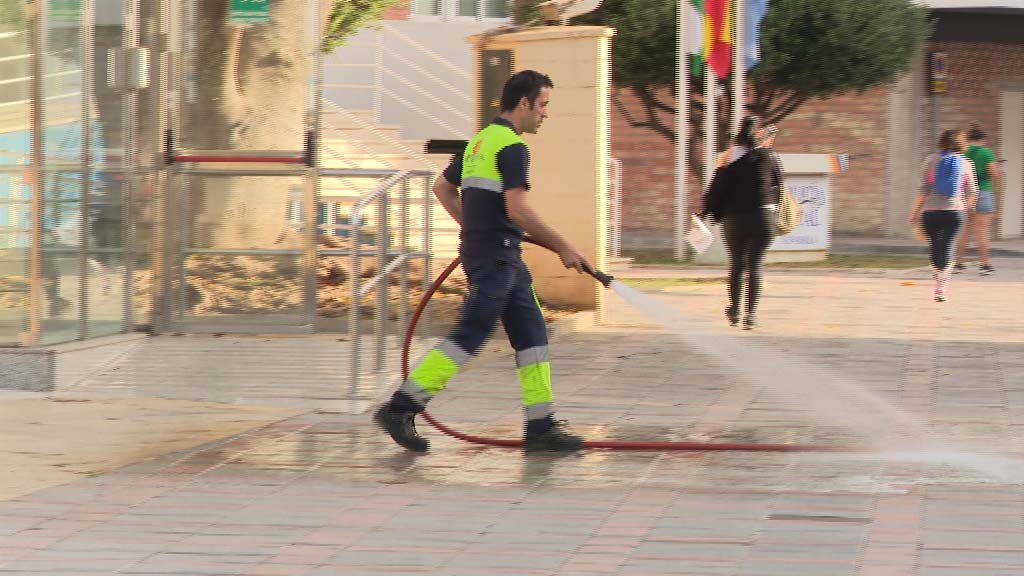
{"points": [[718, 36], [695, 35], [755, 10]]}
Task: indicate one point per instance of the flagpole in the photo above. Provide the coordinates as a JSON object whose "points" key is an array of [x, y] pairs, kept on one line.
{"points": [[710, 111], [682, 120], [739, 72]]}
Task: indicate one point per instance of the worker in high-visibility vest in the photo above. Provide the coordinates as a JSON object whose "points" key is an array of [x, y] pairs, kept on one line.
{"points": [[493, 213]]}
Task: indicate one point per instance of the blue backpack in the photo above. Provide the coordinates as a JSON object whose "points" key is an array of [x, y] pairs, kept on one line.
{"points": [[949, 173]]}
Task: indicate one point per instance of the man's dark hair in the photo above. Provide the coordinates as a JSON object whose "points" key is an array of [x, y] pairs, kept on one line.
{"points": [[526, 83], [976, 133]]}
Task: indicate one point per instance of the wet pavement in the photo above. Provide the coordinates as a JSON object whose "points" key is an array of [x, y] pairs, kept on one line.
{"points": [[324, 493]]}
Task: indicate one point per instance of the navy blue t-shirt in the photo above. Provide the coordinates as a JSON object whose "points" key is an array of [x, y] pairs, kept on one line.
{"points": [[486, 227]]}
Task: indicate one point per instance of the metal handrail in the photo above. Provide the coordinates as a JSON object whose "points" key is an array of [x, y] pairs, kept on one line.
{"points": [[382, 188], [615, 207], [390, 140], [379, 91], [420, 111], [400, 257], [451, 89], [371, 173], [426, 51], [457, 112]]}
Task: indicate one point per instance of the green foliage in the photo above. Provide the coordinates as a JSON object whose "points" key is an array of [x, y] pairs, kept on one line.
{"points": [[12, 15], [348, 17], [524, 11], [820, 48], [644, 45], [809, 49]]}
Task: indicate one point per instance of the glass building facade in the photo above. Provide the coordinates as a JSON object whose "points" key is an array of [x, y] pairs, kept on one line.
{"points": [[73, 211]]}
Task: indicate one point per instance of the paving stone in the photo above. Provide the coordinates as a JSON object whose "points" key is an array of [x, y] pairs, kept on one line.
{"points": [[327, 493]]}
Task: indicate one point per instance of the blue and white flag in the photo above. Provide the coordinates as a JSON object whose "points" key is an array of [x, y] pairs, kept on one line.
{"points": [[752, 15]]}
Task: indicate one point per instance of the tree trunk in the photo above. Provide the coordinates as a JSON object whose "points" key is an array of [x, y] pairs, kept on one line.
{"points": [[251, 94]]}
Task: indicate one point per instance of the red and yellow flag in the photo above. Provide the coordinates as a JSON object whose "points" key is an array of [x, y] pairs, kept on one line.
{"points": [[718, 36]]}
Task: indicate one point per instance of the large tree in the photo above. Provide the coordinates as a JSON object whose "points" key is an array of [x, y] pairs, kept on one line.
{"points": [[809, 49], [251, 94]]}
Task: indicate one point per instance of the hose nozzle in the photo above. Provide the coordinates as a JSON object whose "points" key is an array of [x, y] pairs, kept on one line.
{"points": [[605, 279]]}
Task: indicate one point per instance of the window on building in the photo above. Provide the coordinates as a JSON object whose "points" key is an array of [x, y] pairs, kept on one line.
{"points": [[460, 9]]}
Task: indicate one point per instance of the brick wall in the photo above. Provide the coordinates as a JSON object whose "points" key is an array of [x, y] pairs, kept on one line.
{"points": [[850, 124], [400, 11], [855, 124], [976, 72], [648, 166]]}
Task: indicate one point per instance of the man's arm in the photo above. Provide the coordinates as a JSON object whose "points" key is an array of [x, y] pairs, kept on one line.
{"points": [[522, 215], [513, 163], [448, 194], [993, 169], [446, 188]]}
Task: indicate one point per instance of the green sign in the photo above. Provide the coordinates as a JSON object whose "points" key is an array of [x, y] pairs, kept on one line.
{"points": [[64, 10], [250, 12]]}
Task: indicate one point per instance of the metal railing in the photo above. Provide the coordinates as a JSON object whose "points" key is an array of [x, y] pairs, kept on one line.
{"points": [[391, 59], [614, 207], [389, 260], [395, 143]]}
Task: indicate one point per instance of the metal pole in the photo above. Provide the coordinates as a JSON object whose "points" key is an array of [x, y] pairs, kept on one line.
{"points": [[87, 47], [403, 239], [378, 74], [183, 243], [381, 309], [163, 224], [37, 111], [130, 155], [353, 319], [739, 73], [312, 177], [428, 206], [682, 120], [710, 109]]}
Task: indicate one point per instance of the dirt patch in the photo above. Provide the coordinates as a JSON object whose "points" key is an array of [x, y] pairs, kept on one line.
{"points": [[227, 284]]}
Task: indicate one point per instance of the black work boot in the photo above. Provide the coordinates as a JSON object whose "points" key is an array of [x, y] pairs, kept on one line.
{"points": [[402, 428], [554, 439]]}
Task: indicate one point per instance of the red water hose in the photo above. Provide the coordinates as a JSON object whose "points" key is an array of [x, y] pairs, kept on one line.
{"points": [[611, 444]]}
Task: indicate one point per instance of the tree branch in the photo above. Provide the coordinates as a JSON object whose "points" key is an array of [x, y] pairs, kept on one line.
{"points": [[790, 105], [652, 121], [647, 94]]}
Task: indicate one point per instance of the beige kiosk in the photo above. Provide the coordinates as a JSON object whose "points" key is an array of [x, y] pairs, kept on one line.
{"points": [[569, 155], [808, 178]]}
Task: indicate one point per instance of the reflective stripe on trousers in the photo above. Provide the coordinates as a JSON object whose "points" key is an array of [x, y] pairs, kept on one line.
{"points": [[499, 290]]}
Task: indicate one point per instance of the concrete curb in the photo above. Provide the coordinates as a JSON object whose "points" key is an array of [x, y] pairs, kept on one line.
{"points": [[34, 369], [912, 250], [572, 323]]}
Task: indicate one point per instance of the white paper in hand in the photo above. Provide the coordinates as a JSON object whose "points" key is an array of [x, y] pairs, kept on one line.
{"points": [[699, 236]]}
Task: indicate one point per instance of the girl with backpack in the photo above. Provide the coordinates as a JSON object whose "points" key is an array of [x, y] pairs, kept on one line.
{"points": [[947, 190]]}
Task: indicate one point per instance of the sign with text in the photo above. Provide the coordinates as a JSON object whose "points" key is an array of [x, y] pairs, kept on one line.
{"points": [[249, 12], [813, 192], [937, 73], [64, 10]]}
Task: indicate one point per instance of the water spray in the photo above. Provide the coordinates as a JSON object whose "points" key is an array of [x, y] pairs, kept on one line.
{"points": [[607, 281]]}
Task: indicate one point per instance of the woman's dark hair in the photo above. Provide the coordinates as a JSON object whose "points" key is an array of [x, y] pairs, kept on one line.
{"points": [[526, 83], [975, 133], [952, 141], [747, 135]]}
